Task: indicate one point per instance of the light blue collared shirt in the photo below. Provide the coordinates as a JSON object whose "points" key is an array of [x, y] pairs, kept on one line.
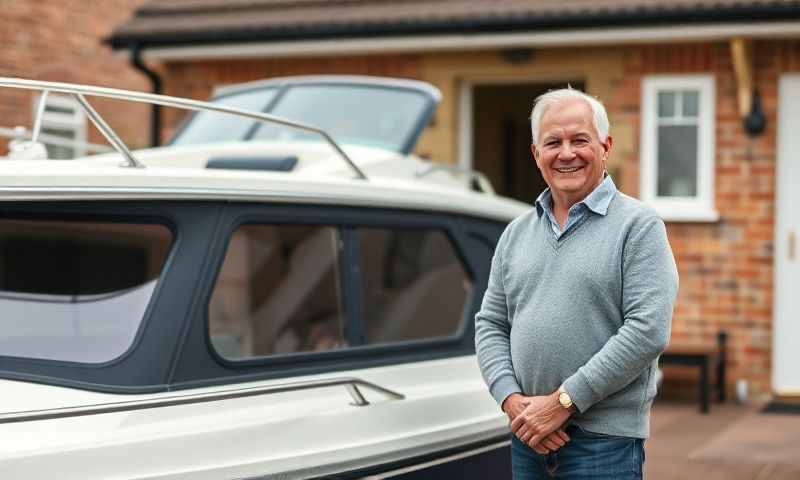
{"points": [[597, 201]]}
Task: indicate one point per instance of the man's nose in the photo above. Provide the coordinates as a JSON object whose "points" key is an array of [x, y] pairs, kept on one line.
{"points": [[565, 151]]}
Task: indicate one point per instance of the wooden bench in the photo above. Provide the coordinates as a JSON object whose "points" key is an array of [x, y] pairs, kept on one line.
{"points": [[704, 358]]}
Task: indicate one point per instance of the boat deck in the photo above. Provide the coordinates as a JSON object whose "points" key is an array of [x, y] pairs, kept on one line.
{"points": [[733, 442]]}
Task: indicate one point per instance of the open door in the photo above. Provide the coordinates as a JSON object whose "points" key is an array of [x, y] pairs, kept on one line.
{"points": [[501, 137]]}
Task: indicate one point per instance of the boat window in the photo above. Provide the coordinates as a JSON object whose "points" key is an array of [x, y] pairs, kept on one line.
{"points": [[278, 292], [352, 114], [214, 127], [76, 291], [414, 285]]}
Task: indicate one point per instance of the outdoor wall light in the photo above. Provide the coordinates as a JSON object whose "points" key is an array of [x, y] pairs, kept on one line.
{"points": [[755, 121], [517, 55]]}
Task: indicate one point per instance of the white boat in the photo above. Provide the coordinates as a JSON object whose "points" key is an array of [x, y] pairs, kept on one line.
{"points": [[247, 301]]}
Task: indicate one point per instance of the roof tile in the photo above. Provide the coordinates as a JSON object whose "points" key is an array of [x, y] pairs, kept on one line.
{"points": [[197, 20]]}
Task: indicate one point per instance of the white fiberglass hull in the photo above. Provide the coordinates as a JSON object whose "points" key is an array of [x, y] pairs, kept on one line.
{"points": [[446, 416]]}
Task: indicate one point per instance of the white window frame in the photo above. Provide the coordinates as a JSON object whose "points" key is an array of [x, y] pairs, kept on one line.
{"points": [[74, 122], [699, 208]]}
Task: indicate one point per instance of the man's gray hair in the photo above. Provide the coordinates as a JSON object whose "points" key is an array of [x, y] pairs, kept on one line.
{"points": [[545, 101]]}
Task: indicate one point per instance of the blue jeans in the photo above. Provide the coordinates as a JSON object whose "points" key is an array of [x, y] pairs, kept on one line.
{"points": [[586, 456]]}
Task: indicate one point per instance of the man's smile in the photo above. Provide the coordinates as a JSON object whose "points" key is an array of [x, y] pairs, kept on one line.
{"points": [[568, 169]]}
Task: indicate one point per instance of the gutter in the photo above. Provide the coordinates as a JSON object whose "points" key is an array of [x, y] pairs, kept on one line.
{"points": [[218, 32], [453, 42], [155, 81]]}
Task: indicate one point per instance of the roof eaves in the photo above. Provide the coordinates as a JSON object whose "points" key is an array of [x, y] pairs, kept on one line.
{"points": [[596, 20]]}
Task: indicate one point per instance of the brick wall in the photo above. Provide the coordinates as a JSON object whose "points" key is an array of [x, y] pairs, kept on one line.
{"points": [[726, 267], [61, 40]]}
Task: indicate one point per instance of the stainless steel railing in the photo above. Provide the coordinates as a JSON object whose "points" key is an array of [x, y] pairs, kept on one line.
{"points": [[79, 92], [352, 384]]}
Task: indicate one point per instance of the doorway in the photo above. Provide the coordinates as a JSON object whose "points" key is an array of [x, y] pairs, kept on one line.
{"points": [[501, 136]]}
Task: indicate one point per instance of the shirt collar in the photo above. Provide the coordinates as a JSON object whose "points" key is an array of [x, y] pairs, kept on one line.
{"points": [[597, 201]]}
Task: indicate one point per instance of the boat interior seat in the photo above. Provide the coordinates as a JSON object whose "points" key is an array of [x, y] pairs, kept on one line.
{"points": [[430, 307], [419, 293], [299, 302]]}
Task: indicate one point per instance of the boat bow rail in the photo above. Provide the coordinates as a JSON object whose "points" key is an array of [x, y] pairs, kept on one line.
{"points": [[35, 139], [80, 92]]}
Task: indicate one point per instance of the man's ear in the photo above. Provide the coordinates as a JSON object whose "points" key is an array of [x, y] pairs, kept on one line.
{"points": [[607, 147], [535, 153]]}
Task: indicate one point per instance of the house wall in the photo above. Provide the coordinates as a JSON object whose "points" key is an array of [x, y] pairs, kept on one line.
{"points": [[598, 69], [61, 40], [726, 266]]}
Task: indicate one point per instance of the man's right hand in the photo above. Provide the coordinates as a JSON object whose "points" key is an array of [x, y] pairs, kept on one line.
{"points": [[514, 404]]}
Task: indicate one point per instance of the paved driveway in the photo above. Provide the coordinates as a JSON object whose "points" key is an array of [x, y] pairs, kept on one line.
{"points": [[733, 442]]}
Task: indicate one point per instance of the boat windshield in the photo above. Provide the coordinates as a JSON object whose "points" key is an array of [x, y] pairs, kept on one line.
{"points": [[379, 116]]}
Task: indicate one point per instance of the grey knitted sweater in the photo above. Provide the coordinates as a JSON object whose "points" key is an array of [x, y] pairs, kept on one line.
{"points": [[590, 310]]}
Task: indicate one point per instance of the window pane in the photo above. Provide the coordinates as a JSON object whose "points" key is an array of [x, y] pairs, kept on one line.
{"points": [[215, 127], [415, 286], [677, 161], [278, 292], [666, 104], [76, 291], [690, 99]]}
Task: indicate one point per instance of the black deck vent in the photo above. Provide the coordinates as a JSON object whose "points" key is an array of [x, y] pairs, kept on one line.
{"points": [[270, 164]]}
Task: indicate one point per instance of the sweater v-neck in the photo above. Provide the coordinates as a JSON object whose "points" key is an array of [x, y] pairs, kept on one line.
{"points": [[557, 242]]}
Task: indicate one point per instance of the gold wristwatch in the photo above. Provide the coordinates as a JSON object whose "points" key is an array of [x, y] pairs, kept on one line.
{"points": [[564, 399]]}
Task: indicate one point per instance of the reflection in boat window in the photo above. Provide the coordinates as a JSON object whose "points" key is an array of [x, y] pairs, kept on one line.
{"points": [[278, 292], [414, 285], [76, 291]]}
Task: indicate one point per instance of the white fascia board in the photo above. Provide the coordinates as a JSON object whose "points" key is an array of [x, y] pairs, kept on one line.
{"points": [[563, 38]]}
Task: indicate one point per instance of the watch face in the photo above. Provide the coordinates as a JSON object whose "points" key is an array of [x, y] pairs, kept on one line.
{"points": [[564, 399]]}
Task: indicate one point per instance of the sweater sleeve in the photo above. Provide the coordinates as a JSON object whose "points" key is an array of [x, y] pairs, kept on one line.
{"points": [[492, 332], [649, 290]]}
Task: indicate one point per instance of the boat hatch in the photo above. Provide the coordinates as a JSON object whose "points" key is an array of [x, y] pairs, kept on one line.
{"points": [[271, 164]]}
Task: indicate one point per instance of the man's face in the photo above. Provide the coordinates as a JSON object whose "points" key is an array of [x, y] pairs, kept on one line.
{"points": [[570, 154]]}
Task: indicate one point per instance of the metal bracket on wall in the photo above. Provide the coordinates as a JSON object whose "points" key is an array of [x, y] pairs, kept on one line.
{"points": [[742, 56]]}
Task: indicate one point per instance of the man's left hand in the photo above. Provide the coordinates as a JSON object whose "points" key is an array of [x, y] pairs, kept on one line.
{"points": [[543, 415]]}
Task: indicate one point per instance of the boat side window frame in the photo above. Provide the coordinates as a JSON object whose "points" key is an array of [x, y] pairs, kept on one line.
{"points": [[110, 220], [204, 366], [146, 364]]}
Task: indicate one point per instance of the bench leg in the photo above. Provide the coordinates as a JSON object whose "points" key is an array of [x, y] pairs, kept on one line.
{"points": [[722, 339], [721, 382], [704, 386]]}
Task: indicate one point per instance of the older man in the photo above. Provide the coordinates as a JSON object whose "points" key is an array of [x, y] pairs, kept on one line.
{"points": [[578, 307]]}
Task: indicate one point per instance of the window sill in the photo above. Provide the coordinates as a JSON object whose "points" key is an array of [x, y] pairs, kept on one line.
{"points": [[686, 214]]}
